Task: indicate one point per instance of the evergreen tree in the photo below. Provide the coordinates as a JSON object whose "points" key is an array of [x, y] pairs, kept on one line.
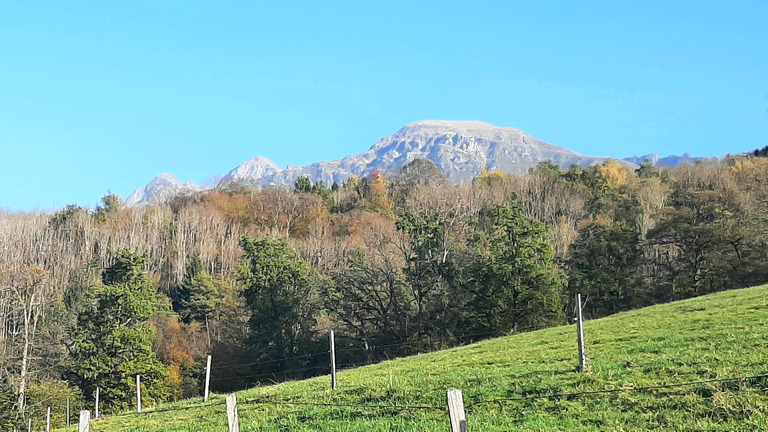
{"points": [[602, 263], [428, 271], [763, 152], [198, 296], [510, 276], [303, 184], [278, 285], [112, 341], [647, 170], [110, 203]]}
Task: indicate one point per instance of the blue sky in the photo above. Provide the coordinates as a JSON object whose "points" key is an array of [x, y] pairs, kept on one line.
{"points": [[98, 96]]}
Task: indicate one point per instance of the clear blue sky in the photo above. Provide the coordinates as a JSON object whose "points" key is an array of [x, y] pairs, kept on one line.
{"points": [[98, 96]]}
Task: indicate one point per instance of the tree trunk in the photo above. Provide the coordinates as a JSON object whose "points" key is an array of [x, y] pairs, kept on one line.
{"points": [[25, 355]]}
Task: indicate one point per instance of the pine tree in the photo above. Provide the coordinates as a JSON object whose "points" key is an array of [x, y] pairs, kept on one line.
{"points": [[199, 295], [278, 284], [510, 275], [112, 341]]}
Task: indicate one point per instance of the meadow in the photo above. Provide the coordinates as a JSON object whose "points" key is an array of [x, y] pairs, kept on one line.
{"points": [[680, 366]]}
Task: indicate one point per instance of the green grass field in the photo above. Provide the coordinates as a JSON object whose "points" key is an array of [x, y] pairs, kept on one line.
{"points": [[508, 382]]}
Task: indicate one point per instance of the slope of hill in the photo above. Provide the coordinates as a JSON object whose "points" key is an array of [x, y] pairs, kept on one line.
{"points": [[528, 381]]}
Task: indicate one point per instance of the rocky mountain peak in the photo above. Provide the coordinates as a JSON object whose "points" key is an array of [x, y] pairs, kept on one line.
{"points": [[162, 188], [435, 128], [252, 169]]}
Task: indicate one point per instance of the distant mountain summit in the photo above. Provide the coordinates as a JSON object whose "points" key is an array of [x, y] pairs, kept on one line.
{"points": [[250, 172], [161, 189], [459, 149], [668, 161]]}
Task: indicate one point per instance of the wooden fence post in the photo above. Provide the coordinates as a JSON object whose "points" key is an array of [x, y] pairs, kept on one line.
{"points": [[29, 425], [67, 412], [234, 422], [85, 421], [48, 420], [580, 335], [207, 379], [138, 393], [456, 411], [333, 362], [96, 414]]}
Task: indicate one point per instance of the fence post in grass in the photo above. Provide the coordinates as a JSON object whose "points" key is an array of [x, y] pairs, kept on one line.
{"points": [[85, 421], [29, 425], [580, 332], [456, 411], [234, 422], [67, 412], [48, 420], [207, 379], [333, 362], [138, 393], [96, 414]]}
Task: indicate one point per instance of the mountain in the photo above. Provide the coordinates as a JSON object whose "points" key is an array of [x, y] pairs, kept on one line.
{"points": [[459, 149], [250, 172], [668, 161], [161, 189], [166, 186]]}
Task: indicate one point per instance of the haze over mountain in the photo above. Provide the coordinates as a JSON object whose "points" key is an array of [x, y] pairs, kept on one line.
{"points": [[459, 149]]}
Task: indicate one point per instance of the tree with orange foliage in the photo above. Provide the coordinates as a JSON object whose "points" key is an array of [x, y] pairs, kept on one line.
{"points": [[614, 174], [376, 195]]}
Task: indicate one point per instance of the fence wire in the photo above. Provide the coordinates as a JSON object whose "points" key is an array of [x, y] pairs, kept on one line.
{"points": [[268, 374], [340, 405], [616, 390], [231, 366], [444, 408]]}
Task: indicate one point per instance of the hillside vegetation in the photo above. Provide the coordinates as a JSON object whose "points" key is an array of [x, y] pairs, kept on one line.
{"points": [[512, 383], [395, 263]]}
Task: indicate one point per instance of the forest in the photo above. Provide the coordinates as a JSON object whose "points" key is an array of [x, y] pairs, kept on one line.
{"points": [[395, 264]]}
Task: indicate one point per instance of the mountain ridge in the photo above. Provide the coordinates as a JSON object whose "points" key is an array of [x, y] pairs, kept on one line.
{"points": [[459, 149]]}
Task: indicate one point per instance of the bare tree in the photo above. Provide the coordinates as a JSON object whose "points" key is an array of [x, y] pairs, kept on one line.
{"points": [[24, 292]]}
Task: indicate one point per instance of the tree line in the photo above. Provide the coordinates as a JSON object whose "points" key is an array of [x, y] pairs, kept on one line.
{"points": [[395, 264]]}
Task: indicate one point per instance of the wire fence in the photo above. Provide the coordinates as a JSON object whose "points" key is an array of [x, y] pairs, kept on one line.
{"points": [[475, 400], [469, 406], [233, 372], [270, 374], [263, 362], [342, 405], [427, 343]]}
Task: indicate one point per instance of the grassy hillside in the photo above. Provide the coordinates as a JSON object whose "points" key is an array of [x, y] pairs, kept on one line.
{"points": [[708, 338]]}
